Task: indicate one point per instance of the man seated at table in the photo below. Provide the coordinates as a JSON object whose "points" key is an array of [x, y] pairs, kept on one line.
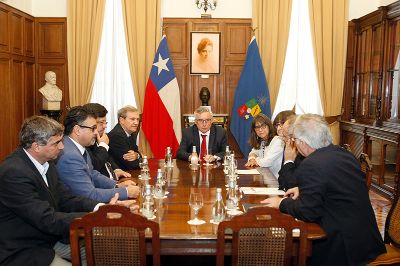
{"points": [[98, 152], [75, 165], [210, 140], [36, 209], [292, 158], [333, 193], [123, 136]]}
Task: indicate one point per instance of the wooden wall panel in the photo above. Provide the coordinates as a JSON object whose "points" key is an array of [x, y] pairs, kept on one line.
{"points": [[22, 71], [4, 30], [17, 98], [52, 37], [17, 33], [29, 37], [5, 121], [235, 38], [29, 89], [51, 51]]}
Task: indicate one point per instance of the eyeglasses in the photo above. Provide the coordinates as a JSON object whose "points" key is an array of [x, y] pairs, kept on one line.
{"points": [[93, 128], [262, 126], [204, 121]]}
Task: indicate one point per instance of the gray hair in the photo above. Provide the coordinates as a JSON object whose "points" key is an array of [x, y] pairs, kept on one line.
{"points": [[122, 112], [313, 130], [290, 121], [38, 129], [200, 110]]}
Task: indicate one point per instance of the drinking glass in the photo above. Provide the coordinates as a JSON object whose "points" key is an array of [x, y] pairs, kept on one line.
{"points": [[233, 201], [207, 159], [196, 203]]}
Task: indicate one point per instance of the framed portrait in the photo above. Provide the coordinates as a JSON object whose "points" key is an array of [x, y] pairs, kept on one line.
{"points": [[205, 50]]}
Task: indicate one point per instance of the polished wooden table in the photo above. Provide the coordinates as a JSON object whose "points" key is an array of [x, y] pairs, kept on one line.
{"points": [[177, 236]]}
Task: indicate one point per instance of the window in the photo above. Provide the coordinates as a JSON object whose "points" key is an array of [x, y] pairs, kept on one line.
{"points": [[113, 83], [299, 85]]}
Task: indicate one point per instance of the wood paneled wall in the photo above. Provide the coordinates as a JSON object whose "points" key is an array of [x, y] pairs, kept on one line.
{"points": [[28, 48], [235, 38]]}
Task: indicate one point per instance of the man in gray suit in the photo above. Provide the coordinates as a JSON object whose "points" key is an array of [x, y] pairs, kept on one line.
{"points": [[74, 164]]}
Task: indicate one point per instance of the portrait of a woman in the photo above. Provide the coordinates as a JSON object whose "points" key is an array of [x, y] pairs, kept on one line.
{"points": [[205, 55]]}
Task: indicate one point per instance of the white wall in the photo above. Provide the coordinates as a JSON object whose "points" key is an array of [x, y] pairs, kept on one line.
{"points": [[23, 5], [225, 9], [49, 8], [359, 8], [185, 8]]}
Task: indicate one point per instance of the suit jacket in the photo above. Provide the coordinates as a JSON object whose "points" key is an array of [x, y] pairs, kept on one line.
{"points": [[286, 177], [34, 216], [80, 177], [333, 193], [121, 144], [217, 142], [100, 156]]}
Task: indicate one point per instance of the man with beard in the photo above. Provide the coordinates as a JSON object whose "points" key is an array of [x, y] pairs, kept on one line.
{"points": [[75, 166]]}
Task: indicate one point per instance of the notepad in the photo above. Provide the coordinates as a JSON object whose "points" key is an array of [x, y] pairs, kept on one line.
{"points": [[270, 191]]}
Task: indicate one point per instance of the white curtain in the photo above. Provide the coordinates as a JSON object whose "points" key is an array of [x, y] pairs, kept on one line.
{"points": [[299, 85], [113, 82]]}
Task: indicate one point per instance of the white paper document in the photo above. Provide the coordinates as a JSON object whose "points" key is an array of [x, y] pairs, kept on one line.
{"points": [[248, 172], [262, 191]]}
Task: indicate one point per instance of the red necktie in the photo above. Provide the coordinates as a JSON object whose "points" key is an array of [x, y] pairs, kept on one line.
{"points": [[203, 151]]}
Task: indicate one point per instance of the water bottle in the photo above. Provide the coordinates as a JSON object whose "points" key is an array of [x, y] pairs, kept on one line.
{"points": [[227, 155], [168, 157], [148, 203], [218, 209], [145, 171], [194, 160], [232, 196], [159, 188]]}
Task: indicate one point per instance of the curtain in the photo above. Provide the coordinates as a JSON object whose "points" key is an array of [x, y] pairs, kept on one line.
{"points": [[84, 27], [112, 85], [142, 21], [272, 20], [328, 19]]}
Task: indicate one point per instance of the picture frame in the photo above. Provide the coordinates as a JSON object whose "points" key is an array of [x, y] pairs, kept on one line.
{"points": [[205, 50]]}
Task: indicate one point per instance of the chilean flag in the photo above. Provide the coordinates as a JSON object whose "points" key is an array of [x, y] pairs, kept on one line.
{"points": [[161, 119]]}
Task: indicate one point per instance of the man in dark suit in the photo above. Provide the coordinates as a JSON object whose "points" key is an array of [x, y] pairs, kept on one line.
{"points": [[75, 167], [123, 147], [98, 152], [292, 158], [35, 207], [214, 137], [331, 192]]}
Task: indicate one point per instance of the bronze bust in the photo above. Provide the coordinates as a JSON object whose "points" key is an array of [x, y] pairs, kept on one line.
{"points": [[204, 96]]}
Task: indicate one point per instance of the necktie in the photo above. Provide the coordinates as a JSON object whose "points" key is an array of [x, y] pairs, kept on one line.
{"points": [[85, 156], [111, 171], [203, 150]]}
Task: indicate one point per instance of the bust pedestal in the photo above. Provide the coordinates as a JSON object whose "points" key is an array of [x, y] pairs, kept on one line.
{"points": [[54, 114]]}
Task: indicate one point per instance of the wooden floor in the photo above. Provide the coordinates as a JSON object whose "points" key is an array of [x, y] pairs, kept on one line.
{"points": [[381, 207]]}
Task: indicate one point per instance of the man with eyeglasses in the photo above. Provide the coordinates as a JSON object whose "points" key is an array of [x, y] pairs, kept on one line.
{"points": [[210, 140], [75, 165], [101, 159], [36, 209], [123, 137], [333, 193]]}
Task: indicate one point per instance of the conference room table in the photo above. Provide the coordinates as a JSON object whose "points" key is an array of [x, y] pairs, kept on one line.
{"points": [[173, 211]]}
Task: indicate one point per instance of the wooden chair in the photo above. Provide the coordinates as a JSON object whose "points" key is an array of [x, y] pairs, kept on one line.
{"points": [[262, 236], [114, 236], [391, 238], [366, 167]]}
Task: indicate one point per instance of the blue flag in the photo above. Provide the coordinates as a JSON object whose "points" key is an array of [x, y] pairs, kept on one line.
{"points": [[251, 98]]}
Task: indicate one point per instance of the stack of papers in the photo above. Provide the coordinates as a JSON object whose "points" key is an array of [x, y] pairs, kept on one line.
{"points": [[262, 191], [245, 172]]}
